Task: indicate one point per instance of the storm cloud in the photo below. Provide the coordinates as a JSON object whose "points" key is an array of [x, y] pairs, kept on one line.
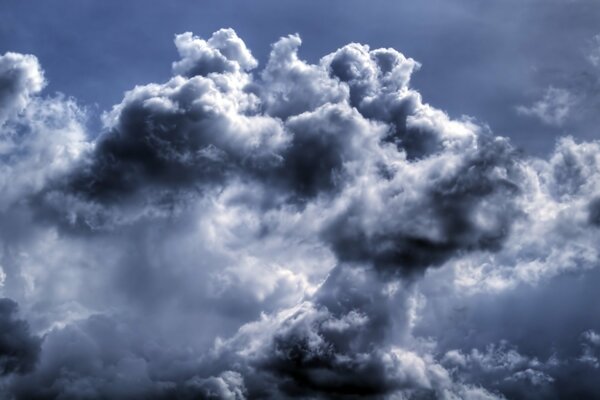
{"points": [[304, 230]]}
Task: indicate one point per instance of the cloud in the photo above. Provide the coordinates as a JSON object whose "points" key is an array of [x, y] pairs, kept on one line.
{"points": [[290, 86], [554, 108], [594, 212], [594, 52], [340, 343], [423, 215], [302, 231], [19, 349], [20, 78], [40, 138], [223, 52]]}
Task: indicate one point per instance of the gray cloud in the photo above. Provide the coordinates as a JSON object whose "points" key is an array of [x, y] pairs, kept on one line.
{"points": [[594, 212], [305, 231], [19, 349], [553, 109], [426, 228]]}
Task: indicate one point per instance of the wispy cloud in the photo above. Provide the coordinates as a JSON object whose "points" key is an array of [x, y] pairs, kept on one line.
{"points": [[554, 108]]}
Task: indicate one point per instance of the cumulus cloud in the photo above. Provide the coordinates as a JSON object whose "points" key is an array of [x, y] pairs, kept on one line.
{"points": [[20, 78], [302, 231], [223, 52], [291, 86], [40, 138]]}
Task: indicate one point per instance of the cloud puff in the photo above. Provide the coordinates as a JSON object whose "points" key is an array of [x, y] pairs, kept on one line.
{"points": [[303, 231], [40, 138], [223, 52], [290, 86], [20, 78]]}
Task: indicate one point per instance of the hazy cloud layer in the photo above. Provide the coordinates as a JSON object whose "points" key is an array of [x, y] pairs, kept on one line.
{"points": [[297, 231]]}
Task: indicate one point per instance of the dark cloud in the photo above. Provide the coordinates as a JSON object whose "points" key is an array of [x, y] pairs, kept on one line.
{"points": [[332, 347], [19, 349], [470, 208], [348, 341], [324, 143], [100, 357], [594, 212], [184, 133]]}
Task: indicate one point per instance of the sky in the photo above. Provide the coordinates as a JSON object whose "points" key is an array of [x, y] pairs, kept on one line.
{"points": [[478, 59], [299, 199]]}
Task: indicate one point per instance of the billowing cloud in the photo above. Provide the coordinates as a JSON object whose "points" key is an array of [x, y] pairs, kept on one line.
{"points": [[308, 230], [40, 138], [20, 78], [223, 52]]}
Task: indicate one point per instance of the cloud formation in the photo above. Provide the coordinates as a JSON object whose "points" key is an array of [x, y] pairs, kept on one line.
{"points": [[303, 231]]}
